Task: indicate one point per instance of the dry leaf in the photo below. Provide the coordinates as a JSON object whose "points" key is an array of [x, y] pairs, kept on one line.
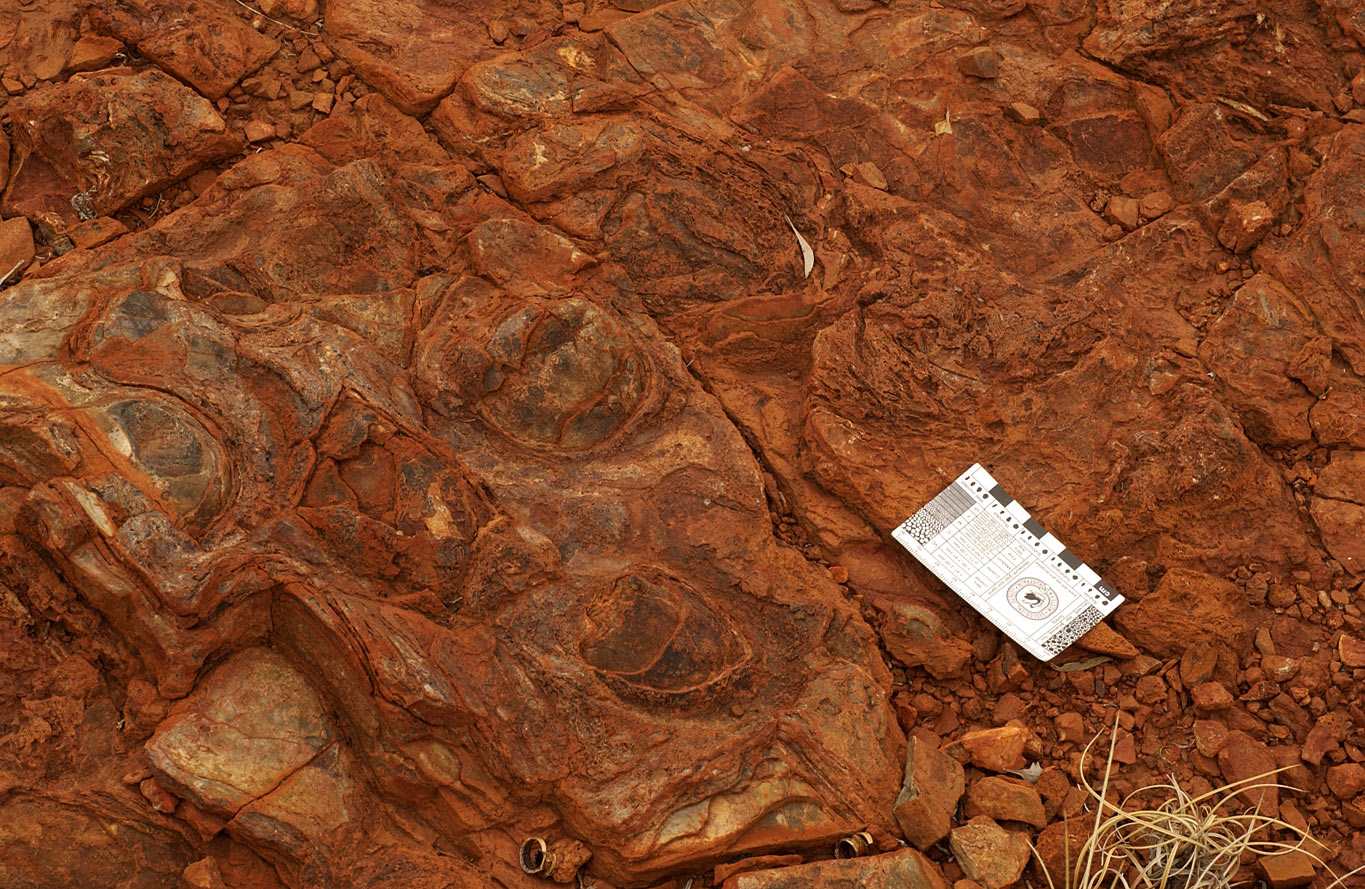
{"points": [[945, 125], [1030, 774], [1082, 665], [807, 254], [1245, 109]]}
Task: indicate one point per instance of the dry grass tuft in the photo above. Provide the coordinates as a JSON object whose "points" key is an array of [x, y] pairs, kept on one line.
{"points": [[1183, 842]]}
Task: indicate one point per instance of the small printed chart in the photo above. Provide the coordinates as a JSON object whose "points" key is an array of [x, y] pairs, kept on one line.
{"points": [[991, 552]]}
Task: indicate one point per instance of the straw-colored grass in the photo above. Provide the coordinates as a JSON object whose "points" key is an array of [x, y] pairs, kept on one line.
{"points": [[1182, 842]]}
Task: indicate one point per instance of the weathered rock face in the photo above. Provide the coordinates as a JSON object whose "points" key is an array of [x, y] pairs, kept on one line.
{"points": [[100, 141], [419, 429], [478, 537]]}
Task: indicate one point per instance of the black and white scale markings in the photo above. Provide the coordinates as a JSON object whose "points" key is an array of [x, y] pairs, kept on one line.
{"points": [[986, 547]]}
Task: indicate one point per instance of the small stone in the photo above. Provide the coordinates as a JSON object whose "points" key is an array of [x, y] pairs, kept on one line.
{"points": [[993, 749], [1058, 847], [16, 246], [1210, 697], [1346, 780], [498, 31], [1352, 651], [1282, 596], [1070, 727], [1244, 759], [97, 231], [932, 786], [1199, 662], [137, 776], [1141, 665], [838, 573], [1009, 708], [989, 854], [323, 102], [162, 800], [1022, 113], [1151, 689], [308, 60], [1005, 799], [980, 62], [1262, 641], [1158, 203], [1125, 751], [1324, 737], [1288, 870], [1279, 668], [493, 182], [1104, 639], [1209, 736], [93, 52], [202, 874], [916, 637], [1122, 210], [1245, 225], [206, 825], [259, 131]]}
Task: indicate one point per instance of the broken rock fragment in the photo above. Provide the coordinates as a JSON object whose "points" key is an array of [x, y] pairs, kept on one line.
{"points": [[981, 62], [1023, 113], [1005, 799], [1245, 225], [93, 145], [1244, 759], [1186, 606], [905, 869], [993, 749], [933, 785], [989, 854], [1288, 870], [202, 42], [916, 637], [253, 723], [16, 247]]}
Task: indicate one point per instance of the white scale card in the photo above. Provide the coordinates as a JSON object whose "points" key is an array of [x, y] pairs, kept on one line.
{"points": [[991, 552]]}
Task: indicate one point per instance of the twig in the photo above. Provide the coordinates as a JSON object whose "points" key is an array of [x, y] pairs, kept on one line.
{"points": [[16, 268]]}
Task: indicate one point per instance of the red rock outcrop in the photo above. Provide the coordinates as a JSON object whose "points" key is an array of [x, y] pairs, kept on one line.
{"points": [[423, 432]]}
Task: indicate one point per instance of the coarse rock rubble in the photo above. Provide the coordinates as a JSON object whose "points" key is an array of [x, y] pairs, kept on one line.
{"points": [[422, 433]]}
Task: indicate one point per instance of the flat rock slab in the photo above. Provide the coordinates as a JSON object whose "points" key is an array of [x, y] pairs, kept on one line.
{"points": [[252, 724], [906, 869], [206, 43]]}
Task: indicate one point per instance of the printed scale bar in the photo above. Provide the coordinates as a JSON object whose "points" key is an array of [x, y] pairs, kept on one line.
{"points": [[988, 549]]}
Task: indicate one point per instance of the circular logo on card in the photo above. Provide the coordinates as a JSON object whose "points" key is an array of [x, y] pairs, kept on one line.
{"points": [[1032, 598]]}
